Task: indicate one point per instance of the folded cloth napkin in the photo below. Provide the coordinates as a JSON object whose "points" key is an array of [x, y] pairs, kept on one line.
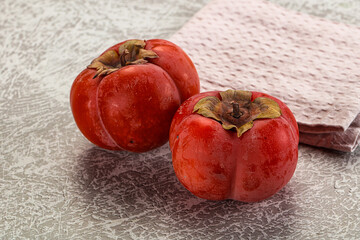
{"points": [[311, 64]]}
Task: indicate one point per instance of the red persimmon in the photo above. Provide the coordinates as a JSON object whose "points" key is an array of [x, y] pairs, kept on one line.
{"points": [[126, 98], [234, 145]]}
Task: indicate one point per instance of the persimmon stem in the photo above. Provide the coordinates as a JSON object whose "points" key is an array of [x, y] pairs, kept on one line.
{"points": [[123, 54], [236, 110], [131, 52]]}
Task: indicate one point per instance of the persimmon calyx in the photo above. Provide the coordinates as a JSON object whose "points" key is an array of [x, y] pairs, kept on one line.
{"points": [[130, 52], [235, 110]]}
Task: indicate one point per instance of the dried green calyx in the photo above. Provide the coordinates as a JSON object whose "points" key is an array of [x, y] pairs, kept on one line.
{"points": [[235, 110], [131, 52]]}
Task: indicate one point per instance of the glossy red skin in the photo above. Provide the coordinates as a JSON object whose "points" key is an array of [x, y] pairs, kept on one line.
{"points": [[132, 108], [213, 163]]}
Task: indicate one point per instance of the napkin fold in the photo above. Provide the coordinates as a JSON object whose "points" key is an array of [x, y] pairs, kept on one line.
{"points": [[311, 64]]}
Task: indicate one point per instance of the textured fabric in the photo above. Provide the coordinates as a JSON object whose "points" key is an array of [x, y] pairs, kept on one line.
{"points": [[310, 63], [343, 141]]}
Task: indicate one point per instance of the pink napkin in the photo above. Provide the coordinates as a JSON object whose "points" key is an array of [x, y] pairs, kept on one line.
{"points": [[311, 64]]}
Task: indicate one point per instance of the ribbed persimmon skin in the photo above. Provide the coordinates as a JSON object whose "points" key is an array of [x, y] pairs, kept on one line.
{"points": [[132, 108], [216, 164]]}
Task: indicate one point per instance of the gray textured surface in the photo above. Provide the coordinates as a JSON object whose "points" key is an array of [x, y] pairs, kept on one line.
{"points": [[54, 184]]}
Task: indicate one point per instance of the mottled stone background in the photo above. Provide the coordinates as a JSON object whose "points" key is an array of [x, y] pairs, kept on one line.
{"points": [[54, 184]]}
